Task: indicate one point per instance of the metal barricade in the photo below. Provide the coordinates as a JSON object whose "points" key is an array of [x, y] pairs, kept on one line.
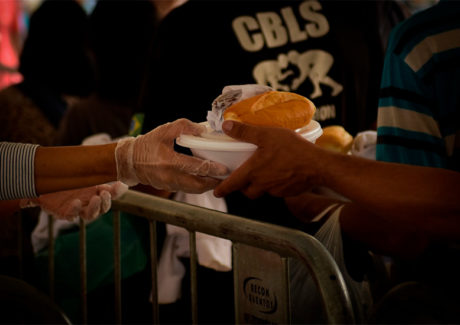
{"points": [[248, 236]]}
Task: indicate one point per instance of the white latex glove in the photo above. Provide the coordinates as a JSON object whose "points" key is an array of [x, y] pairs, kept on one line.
{"points": [[150, 159], [87, 203]]}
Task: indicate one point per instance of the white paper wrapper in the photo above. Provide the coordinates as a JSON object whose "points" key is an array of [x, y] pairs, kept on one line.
{"points": [[231, 95], [364, 144]]}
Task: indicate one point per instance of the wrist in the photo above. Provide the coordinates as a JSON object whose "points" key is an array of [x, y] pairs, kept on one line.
{"points": [[323, 164], [124, 161]]}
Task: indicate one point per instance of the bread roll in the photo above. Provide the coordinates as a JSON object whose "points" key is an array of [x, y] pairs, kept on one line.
{"points": [[335, 138], [273, 108]]}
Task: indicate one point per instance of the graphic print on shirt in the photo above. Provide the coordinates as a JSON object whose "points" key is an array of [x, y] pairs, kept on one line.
{"points": [[295, 64], [270, 73], [312, 64]]}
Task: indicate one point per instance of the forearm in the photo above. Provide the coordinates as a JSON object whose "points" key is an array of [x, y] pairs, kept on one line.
{"points": [[408, 193], [308, 205], [62, 168], [387, 237]]}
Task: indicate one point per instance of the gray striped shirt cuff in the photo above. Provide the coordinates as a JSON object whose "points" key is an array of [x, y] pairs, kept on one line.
{"points": [[17, 170]]}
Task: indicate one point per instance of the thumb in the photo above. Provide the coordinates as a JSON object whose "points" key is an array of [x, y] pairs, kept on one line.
{"points": [[244, 132], [181, 126], [117, 189]]}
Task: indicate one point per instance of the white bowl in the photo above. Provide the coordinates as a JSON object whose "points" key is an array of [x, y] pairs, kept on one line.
{"points": [[219, 147]]}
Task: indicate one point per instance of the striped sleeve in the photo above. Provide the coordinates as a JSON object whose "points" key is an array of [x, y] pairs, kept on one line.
{"points": [[17, 170]]}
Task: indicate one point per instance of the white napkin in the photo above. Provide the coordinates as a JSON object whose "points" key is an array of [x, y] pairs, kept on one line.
{"points": [[212, 252], [39, 236]]}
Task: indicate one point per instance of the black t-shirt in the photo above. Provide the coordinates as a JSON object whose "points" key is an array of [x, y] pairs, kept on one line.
{"points": [[330, 52]]}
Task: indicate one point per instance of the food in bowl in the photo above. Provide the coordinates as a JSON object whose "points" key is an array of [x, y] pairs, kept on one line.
{"points": [[273, 108], [260, 105], [251, 104], [219, 147]]}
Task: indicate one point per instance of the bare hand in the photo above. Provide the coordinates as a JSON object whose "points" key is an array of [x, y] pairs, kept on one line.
{"points": [[284, 163]]}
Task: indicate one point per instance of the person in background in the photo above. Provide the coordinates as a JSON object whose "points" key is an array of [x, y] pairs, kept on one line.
{"points": [[405, 205], [56, 67], [374, 188], [188, 69], [121, 38], [407, 212], [272, 39], [121, 34], [419, 124], [329, 51]]}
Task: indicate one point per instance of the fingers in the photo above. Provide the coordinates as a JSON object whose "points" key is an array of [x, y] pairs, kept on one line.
{"points": [[88, 203], [237, 180], [252, 192], [117, 189], [93, 209], [106, 201], [196, 166], [188, 127], [244, 132], [194, 184], [181, 126], [70, 212], [90, 208]]}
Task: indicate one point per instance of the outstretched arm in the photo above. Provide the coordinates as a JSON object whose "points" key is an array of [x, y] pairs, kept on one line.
{"points": [[285, 165], [62, 168], [382, 236], [149, 159]]}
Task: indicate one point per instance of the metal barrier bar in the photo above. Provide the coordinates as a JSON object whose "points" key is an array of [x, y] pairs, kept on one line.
{"points": [[117, 265], [284, 241], [235, 285], [83, 275], [153, 270], [193, 277]]}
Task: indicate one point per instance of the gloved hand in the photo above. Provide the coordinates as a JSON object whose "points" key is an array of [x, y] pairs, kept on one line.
{"points": [[88, 202], [150, 159]]}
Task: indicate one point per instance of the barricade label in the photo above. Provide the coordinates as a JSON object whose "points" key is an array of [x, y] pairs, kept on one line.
{"points": [[261, 286]]}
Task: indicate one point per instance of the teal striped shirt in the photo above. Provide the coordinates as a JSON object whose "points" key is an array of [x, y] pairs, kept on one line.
{"points": [[419, 106]]}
